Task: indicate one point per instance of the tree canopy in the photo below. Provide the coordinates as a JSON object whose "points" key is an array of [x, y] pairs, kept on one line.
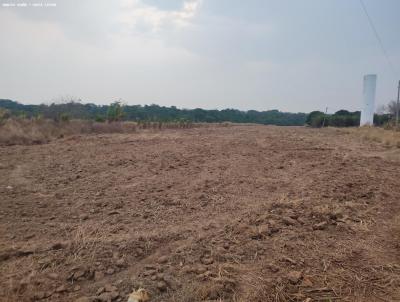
{"points": [[118, 111]]}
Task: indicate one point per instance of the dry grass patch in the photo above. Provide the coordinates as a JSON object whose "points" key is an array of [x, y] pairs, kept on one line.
{"points": [[22, 131], [388, 137]]}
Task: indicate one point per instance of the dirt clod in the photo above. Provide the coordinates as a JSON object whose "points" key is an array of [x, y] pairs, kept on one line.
{"points": [[288, 221], [110, 288], [162, 286], [61, 289], [107, 297], [294, 277], [162, 259], [320, 226]]}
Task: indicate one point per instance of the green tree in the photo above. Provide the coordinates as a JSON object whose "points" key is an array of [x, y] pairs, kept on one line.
{"points": [[315, 119], [115, 112]]}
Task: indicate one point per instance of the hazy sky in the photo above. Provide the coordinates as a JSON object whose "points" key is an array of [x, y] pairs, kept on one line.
{"points": [[291, 55]]}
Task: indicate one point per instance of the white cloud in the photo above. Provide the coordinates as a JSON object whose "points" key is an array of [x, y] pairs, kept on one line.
{"points": [[135, 14]]}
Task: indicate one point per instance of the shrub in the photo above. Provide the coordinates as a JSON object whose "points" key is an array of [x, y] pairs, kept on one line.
{"points": [[64, 117], [100, 119], [4, 114]]}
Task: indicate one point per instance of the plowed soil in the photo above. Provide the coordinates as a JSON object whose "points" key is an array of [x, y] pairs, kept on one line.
{"points": [[236, 213]]}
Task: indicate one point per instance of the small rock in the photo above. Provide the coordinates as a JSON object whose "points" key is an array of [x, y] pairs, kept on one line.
{"points": [[84, 217], [79, 274], [187, 269], [110, 271], [301, 220], [320, 226], [9, 188], [61, 289], [162, 259], [53, 276], [294, 277], [77, 288], [110, 288], [201, 269], [149, 272], [290, 260], [288, 221], [108, 297]]}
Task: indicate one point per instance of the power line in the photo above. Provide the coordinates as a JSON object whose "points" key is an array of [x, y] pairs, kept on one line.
{"points": [[371, 23]]}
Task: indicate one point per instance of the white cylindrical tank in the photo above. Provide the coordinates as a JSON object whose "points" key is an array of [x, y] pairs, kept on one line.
{"points": [[367, 113]]}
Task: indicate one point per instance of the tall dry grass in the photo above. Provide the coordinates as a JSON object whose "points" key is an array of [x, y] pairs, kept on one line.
{"points": [[388, 137], [16, 131]]}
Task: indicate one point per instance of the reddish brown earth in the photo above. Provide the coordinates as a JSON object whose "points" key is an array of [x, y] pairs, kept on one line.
{"points": [[238, 213]]}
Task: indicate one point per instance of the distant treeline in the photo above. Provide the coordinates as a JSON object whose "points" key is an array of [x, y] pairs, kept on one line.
{"points": [[77, 110], [342, 118], [155, 113]]}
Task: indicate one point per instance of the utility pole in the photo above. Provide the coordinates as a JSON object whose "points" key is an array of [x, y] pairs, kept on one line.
{"points": [[326, 112], [397, 106]]}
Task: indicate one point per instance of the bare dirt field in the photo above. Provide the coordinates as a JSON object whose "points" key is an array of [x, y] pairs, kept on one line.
{"points": [[237, 213]]}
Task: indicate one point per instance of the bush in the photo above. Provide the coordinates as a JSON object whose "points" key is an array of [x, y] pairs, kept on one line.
{"points": [[64, 117], [99, 119], [4, 114]]}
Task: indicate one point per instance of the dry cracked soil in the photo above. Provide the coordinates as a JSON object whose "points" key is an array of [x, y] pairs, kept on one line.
{"points": [[235, 213]]}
